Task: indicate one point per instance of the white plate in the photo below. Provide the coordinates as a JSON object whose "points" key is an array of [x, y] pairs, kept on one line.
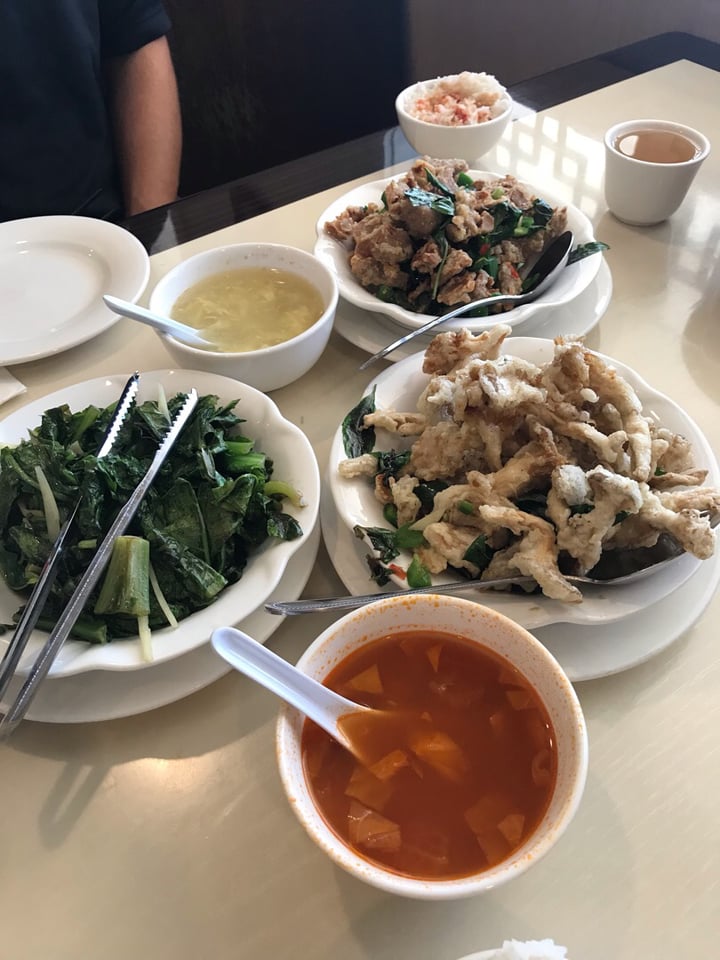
{"points": [[294, 461], [53, 273], [103, 695], [398, 388], [584, 652], [571, 282], [371, 331]]}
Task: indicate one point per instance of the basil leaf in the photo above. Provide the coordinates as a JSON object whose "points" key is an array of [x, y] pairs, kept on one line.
{"points": [[587, 250], [438, 184], [358, 439], [423, 198]]}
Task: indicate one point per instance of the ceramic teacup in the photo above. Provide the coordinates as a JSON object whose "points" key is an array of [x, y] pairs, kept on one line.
{"points": [[649, 166]]}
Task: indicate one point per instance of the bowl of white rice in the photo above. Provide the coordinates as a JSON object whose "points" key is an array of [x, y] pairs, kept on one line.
{"points": [[462, 115], [522, 950]]}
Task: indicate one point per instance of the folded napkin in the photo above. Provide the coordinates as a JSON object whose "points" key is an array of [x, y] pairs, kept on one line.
{"points": [[10, 386]]}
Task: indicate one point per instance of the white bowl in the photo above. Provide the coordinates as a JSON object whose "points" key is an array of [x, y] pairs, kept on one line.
{"points": [[293, 460], [464, 142], [566, 288], [269, 368], [492, 630]]}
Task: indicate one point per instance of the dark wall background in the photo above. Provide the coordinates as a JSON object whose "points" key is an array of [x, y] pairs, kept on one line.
{"points": [[262, 83]]}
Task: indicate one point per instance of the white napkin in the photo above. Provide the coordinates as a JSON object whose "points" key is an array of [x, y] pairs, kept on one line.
{"points": [[10, 386]]}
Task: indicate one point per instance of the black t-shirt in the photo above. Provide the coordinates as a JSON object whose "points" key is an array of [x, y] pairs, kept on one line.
{"points": [[56, 141]]}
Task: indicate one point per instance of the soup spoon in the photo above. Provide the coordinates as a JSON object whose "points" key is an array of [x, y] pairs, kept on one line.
{"points": [[319, 703], [180, 331], [544, 273]]}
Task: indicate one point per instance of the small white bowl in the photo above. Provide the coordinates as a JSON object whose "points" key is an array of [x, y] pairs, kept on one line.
{"points": [[491, 630], [463, 142], [271, 367]]}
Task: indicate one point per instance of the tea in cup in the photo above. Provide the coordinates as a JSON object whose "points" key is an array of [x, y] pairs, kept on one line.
{"points": [[649, 166]]}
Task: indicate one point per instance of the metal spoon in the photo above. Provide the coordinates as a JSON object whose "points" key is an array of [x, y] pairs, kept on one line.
{"points": [[179, 331], [291, 607], [545, 271], [316, 701]]}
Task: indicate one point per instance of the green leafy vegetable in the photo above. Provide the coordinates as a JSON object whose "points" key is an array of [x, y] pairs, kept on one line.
{"points": [[479, 553], [424, 198], [358, 439], [213, 503], [583, 250], [438, 184]]}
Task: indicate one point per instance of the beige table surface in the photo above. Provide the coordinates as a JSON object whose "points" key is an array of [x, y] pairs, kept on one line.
{"points": [[167, 834]]}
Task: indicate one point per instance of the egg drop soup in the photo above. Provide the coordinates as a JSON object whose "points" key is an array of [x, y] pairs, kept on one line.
{"points": [[459, 776], [249, 308]]}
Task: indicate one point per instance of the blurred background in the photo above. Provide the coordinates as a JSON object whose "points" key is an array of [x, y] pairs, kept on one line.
{"points": [[261, 84]]}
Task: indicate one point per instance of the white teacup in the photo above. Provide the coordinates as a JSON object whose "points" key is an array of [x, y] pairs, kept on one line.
{"points": [[649, 190]]}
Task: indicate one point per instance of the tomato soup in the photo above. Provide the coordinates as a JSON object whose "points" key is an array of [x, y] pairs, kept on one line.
{"points": [[456, 776]]}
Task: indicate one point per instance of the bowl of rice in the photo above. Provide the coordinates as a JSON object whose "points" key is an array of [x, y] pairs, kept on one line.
{"points": [[522, 950], [462, 115]]}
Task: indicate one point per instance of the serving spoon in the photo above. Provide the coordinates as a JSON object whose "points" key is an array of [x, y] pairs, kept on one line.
{"points": [[292, 607], [180, 331], [545, 272], [309, 696]]}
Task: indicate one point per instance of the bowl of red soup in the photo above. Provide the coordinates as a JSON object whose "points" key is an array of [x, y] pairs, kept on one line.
{"points": [[474, 768]]}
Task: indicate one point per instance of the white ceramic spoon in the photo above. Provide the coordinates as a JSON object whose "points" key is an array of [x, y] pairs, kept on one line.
{"points": [[179, 331], [309, 696]]}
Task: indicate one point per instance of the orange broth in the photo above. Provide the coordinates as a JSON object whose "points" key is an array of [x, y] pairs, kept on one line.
{"points": [[460, 776]]}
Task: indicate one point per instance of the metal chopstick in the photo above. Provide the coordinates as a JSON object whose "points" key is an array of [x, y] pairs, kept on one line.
{"points": [[72, 611], [36, 602]]}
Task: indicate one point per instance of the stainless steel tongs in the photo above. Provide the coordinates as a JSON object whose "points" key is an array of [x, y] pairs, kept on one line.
{"points": [[17, 710]]}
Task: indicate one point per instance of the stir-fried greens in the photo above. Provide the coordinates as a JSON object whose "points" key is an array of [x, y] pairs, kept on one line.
{"points": [[212, 504]]}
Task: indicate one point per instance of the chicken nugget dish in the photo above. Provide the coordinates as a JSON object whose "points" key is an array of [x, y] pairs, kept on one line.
{"points": [[511, 468], [441, 238]]}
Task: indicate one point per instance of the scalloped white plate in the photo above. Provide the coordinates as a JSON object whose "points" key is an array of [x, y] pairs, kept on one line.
{"points": [[53, 273], [573, 280], [399, 386], [294, 461]]}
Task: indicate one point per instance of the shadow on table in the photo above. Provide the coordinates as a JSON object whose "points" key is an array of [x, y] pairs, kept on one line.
{"points": [[227, 711]]}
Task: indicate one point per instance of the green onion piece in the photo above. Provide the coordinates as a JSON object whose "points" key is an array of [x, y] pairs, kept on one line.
{"points": [[497, 193], [464, 506], [464, 180], [50, 507]]}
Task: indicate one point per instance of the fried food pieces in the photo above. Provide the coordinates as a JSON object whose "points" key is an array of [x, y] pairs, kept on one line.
{"points": [[553, 465], [440, 238]]}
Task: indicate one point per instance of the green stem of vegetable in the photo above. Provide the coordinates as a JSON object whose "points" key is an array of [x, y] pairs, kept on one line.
{"points": [[275, 488], [52, 514], [85, 628], [126, 588]]}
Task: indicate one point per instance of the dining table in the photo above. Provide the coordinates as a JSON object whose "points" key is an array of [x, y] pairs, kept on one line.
{"points": [[155, 825]]}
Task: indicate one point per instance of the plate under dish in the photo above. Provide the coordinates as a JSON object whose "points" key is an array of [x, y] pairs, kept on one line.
{"points": [[399, 386], [572, 281], [585, 652], [294, 461], [371, 331], [53, 273]]}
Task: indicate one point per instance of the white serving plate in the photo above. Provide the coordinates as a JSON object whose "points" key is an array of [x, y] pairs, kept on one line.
{"points": [[398, 388], [585, 651], [294, 461], [572, 281], [53, 273], [373, 331]]}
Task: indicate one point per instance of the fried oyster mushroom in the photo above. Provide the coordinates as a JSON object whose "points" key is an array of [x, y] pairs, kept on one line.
{"points": [[549, 467]]}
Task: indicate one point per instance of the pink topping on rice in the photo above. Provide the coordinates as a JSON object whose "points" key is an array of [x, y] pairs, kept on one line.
{"points": [[458, 101]]}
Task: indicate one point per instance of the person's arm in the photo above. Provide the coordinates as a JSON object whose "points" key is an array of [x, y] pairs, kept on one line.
{"points": [[146, 116]]}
